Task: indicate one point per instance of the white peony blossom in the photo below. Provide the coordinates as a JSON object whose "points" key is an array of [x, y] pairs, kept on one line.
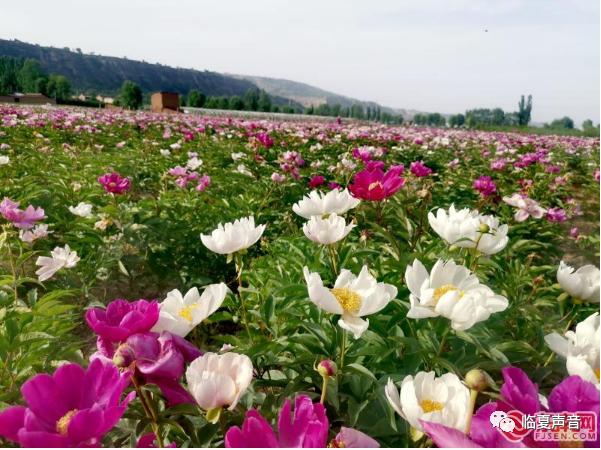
{"points": [[582, 284], [444, 400], [82, 210], [352, 297], [451, 291], [233, 236], [319, 204], [327, 231], [60, 257], [180, 314], [219, 380], [580, 348]]}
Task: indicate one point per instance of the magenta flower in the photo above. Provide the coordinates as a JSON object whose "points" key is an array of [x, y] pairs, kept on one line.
{"points": [[178, 171], [485, 186], [333, 185], [498, 164], [419, 169], [373, 184], [316, 180], [363, 153], [203, 183], [121, 319], [155, 359], [265, 140], [114, 183], [519, 393], [597, 175], [24, 219], [556, 215], [307, 429], [74, 407]]}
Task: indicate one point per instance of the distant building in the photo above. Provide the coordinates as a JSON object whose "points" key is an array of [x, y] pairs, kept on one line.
{"points": [[107, 100], [164, 101], [27, 99]]}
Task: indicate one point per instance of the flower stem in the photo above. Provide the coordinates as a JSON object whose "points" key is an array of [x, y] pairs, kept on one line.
{"points": [[324, 389], [333, 258], [342, 350], [149, 410], [239, 266], [473, 397], [443, 341]]}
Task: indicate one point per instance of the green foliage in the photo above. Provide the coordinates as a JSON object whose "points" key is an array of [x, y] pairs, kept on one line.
{"points": [[524, 111], [131, 95]]}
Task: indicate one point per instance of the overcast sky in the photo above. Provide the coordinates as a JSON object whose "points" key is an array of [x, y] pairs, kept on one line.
{"points": [[430, 55]]}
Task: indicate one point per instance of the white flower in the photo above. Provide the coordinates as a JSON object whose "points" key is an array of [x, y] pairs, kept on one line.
{"points": [[166, 153], [82, 209], [464, 228], [352, 297], [233, 237], [243, 170], [37, 232], [4, 160], [451, 291], [582, 284], [238, 155], [180, 314], [327, 231], [318, 204], [61, 257], [216, 380], [194, 163], [444, 400], [580, 348], [526, 207]]}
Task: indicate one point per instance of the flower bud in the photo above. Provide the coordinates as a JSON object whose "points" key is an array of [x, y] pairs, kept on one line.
{"points": [[483, 228], [124, 356], [453, 248], [477, 380], [327, 368]]}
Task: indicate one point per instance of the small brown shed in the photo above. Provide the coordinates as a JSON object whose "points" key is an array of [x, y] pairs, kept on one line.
{"points": [[164, 101], [27, 99]]}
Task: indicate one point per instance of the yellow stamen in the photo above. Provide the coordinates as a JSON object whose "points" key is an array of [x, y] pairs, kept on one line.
{"points": [[442, 290], [186, 312], [431, 405], [597, 372], [348, 299], [62, 424], [374, 185]]}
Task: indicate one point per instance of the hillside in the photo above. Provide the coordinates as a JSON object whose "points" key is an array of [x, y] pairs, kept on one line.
{"points": [[307, 95], [105, 74]]}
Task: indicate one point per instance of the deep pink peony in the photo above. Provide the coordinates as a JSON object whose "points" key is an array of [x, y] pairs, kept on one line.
{"points": [[155, 359], [308, 428], [121, 319], [20, 218], [419, 169], [556, 215], [114, 183], [373, 184], [519, 393], [316, 180], [485, 186], [74, 407]]}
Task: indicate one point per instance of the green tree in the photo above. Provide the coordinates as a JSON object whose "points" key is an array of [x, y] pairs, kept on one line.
{"points": [[357, 111], [130, 95], [196, 99], [9, 70], [456, 120], [236, 103], [58, 87], [564, 122], [251, 99], [524, 111], [29, 74], [264, 102]]}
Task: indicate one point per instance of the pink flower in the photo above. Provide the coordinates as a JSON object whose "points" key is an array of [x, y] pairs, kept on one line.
{"points": [[498, 164], [265, 140], [308, 428], [527, 207], [351, 438], [316, 180], [556, 215], [373, 184], [74, 407], [114, 183], [203, 183], [597, 175], [277, 177], [178, 171], [24, 219], [333, 185], [485, 185], [574, 232], [363, 153], [419, 169], [121, 319]]}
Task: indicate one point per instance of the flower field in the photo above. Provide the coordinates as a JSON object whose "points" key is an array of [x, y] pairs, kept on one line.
{"points": [[180, 280]]}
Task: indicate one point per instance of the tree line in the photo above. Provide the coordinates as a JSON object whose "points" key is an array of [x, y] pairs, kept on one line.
{"points": [[27, 76]]}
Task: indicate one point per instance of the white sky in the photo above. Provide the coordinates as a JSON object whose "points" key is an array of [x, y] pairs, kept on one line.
{"points": [[430, 55]]}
